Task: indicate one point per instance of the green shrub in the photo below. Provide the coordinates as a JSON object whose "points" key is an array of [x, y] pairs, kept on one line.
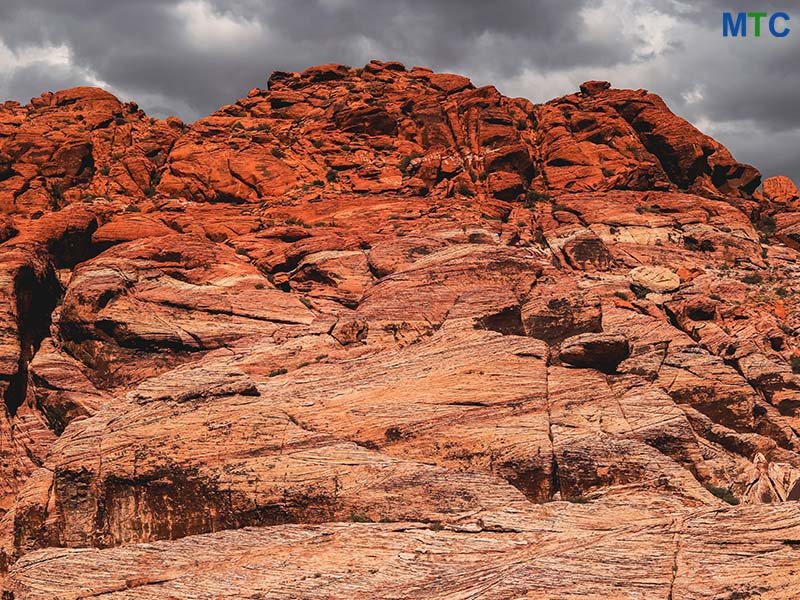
{"points": [[393, 434], [276, 372], [577, 499], [722, 493], [405, 162], [331, 176], [465, 190], [533, 197], [359, 518], [57, 194], [692, 244], [765, 226], [277, 152]]}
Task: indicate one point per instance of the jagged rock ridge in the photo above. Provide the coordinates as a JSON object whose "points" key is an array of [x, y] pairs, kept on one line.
{"points": [[351, 335]]}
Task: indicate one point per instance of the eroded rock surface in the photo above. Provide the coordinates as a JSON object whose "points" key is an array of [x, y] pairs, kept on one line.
{"points": [[379, 333]]}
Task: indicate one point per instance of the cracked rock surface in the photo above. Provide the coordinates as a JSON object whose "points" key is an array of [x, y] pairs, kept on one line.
{"points": [[377, 333]]}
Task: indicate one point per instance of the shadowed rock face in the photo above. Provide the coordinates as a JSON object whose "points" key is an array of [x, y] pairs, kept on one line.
{"points": [[352, 335]]}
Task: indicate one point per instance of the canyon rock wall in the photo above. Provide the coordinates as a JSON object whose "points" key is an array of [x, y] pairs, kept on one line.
{"points": [[380, 333]]}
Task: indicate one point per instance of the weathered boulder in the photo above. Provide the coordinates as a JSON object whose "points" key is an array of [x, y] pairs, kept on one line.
{"points": [[556, 316], [780, 190], [592, 88], [655, 278]]}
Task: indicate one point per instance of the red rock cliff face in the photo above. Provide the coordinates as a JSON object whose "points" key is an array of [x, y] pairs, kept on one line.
{"points": [[378, 333]]}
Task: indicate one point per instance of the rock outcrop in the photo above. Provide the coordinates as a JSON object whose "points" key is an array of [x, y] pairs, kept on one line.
{"points": [[380, 333]]}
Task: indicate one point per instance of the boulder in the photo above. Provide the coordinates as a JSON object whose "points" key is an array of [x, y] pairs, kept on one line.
{"points": [[780, 189], [655, 278], [592, 88], [555, 317]]}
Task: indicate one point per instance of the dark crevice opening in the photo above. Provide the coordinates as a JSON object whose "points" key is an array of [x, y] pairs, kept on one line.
{"points": [[37, 296], [507, 322]]}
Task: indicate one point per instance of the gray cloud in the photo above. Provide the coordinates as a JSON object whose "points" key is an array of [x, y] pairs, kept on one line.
{"points": [[187, 57], [30, 80]]}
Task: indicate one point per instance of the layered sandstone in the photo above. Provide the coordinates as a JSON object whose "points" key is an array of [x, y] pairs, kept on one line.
{"points": [[379, 333]]}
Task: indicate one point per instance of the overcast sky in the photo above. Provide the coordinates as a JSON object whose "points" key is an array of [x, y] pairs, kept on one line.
{"points": [[188, 57]]}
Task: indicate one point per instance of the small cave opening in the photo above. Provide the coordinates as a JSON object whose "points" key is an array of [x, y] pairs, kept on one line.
{"points": [[37, 296], [507, 322], [73, 246]]}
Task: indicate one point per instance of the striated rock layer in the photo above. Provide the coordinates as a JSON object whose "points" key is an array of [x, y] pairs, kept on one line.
{"points": [[378, 333]]}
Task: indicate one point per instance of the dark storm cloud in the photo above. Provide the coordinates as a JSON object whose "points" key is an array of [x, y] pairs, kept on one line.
{"points": [[32, 79], [188, 57], [149, 46], [753, 78], [750, 86]]}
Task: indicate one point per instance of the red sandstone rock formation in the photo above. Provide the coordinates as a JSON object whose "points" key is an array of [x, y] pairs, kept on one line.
{"points": [[378, 333]]}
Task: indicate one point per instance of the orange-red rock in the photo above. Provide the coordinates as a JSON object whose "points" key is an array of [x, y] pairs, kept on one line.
{"points": [[77, 145], [353, 334], [780, 190]]}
